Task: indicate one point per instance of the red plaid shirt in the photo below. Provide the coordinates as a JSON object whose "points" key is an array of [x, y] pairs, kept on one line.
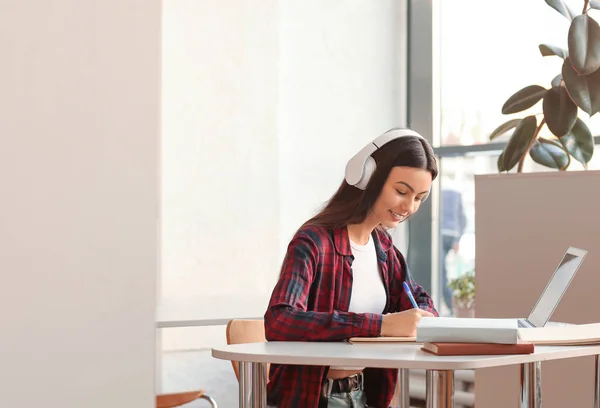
{"points": [[310, 303]]}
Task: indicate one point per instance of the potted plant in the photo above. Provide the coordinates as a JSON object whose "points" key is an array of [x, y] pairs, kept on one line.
{"points": [[576, 88], [463, 294]]}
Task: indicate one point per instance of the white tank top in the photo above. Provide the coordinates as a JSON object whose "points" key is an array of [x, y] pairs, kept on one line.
{"points": [[368, 290]]}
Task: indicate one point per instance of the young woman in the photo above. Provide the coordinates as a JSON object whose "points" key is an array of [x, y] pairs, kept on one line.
{"points": [[342, 276]]}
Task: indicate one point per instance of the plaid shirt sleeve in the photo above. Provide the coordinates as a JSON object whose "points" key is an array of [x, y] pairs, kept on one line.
{"points": [[287, 317], [421, 296]]}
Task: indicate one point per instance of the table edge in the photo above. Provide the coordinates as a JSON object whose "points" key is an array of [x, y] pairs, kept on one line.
{"points": [[439, 364]]}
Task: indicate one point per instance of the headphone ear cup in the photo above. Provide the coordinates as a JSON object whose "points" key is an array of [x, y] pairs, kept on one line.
{"points": [[368, 170]]}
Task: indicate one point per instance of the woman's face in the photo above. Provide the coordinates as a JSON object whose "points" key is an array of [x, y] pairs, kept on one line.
{"points": [[402, 194]]}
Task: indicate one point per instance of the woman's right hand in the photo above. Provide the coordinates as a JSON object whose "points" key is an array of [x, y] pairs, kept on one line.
{"points": [[402, 324]]}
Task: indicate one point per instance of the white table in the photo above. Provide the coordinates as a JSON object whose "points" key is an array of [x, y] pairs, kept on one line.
{"points": [[253, 358]]}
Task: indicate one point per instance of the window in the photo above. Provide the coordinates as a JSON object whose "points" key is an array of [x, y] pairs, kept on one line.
{"points": [[473, 65]]}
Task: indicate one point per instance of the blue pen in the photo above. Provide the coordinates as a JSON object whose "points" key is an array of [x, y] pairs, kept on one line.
{"points": [[410, 295]]}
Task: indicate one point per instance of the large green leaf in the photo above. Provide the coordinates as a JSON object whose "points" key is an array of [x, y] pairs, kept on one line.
{"points": [[503, 128], [550, 154], [584, 44], [500, 162], [519, 142], [560, 111], [584, 89], [523, 99], [562, 8], [579, 142], [548, 50]]}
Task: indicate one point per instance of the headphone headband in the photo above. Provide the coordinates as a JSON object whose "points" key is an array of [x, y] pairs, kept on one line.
{"points": [[361, 167]]}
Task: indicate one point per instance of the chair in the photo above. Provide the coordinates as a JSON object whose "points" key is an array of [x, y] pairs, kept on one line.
{"points": [[245, 331], [182, 398]]}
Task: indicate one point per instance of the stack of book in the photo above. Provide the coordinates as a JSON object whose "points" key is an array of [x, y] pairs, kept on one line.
{"points": [[453, 336], [471, 336], [483, 336]]}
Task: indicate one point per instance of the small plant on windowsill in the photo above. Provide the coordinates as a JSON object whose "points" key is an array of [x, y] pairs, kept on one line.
{"points": [[576, 87], [463, 294]]}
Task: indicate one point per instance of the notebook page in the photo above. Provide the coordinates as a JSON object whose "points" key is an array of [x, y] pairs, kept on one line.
{"points": [[382, 339], [562, 335]]}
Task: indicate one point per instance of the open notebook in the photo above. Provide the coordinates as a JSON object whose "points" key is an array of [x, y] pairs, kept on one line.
{"points": [[382, 339], [582, 334], [451, 329]]}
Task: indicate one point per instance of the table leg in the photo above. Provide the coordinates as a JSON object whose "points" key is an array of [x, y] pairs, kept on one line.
{"points": [[531, 385], [403, 383], [439, 385], [596, 382], [253, 385]]}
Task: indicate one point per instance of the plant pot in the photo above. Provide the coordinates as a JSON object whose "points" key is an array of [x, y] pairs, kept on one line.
{"points": [[462, 310]]}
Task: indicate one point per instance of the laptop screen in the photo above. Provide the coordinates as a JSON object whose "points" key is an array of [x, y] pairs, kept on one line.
{"points": [[556, 288]]}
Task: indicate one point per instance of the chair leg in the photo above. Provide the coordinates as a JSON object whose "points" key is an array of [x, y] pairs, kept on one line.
{"points": [[210, 400]]}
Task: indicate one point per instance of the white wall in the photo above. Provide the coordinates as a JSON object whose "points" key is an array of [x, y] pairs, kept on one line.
{"points": [[263, 104], [341, 83], [79, 123], [219, 147]]}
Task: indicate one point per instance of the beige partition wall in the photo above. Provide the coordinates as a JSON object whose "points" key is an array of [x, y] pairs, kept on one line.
{"points": [[79, 167], [524, 223]]}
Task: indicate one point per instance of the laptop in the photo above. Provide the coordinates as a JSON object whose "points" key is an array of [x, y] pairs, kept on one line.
{"points": [[555, 289]]}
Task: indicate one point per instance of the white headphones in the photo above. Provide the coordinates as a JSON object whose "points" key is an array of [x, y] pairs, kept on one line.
{"points": [[361, 167]]}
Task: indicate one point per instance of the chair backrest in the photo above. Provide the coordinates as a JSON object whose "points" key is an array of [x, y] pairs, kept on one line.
{"points": [[178, 399], [245, 331]]}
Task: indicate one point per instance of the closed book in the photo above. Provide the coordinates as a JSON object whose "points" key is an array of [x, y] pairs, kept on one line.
{"points": [[467, 330], [472, 349]]}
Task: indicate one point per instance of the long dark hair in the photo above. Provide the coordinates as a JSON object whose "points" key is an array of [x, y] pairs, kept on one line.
{"points": [[350, 205]]}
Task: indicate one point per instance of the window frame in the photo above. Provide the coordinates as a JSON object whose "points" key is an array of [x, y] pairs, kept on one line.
{"points": [[423, 107]]}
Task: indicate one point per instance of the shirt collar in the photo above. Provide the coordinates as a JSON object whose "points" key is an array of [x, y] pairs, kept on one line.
{"points": [[385, 241], [341, 240], [382, 240]]}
